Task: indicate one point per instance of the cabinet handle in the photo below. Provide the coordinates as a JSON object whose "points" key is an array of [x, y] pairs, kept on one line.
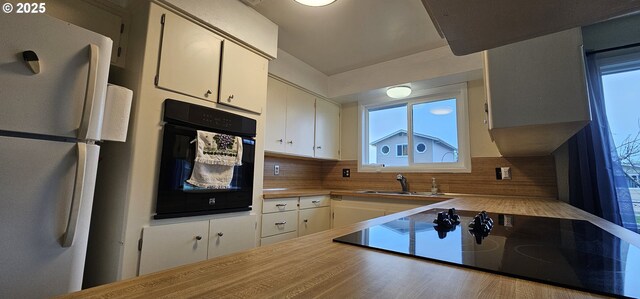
{"points": [[198, 238], [281, 223], [290, 142], [281, 205], [208, 92], [280, 140], [306, 220], [315, 201], [230, 98], [319, 147], [220, 234]]}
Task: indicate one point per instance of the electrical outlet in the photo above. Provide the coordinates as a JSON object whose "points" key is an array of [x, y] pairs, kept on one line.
{"points": [[346, 172], [276, 169]]}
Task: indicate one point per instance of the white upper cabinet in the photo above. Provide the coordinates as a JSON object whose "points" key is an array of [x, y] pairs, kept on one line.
{"points": [[101, 17], [276, 116], [300, 123], [189, 58], [536, 93], [327, 143], [243, 82], [290, 120]]}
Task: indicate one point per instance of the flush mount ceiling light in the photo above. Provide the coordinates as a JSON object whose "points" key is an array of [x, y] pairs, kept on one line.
{"points": [[441, 111], [398, 92], [315, 2]]}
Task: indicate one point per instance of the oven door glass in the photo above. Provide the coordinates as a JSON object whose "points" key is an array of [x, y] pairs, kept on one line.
{"points": [[176, 197]]}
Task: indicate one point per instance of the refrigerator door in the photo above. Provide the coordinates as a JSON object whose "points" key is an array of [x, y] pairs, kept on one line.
{"points": [[53, 77], [46, 197]]}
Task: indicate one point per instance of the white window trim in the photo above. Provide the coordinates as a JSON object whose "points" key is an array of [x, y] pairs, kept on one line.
{"points": [[458, 91], [402, 144]]}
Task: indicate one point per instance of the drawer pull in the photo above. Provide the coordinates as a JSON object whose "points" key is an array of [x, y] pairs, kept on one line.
{"points": [[315, 201], [220, 234], [306, 220], [281, 223], [281, 205], [198, 238]]}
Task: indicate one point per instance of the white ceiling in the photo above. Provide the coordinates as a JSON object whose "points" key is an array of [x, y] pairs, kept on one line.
{"points": [[350, 34]]}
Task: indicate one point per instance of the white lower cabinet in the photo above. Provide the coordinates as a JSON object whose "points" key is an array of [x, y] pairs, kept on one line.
{"points": [[278, 238], [349, 210], [278, 223], [233, 234], [348, 215], [287, 218], [171, 245], [314, 220]]}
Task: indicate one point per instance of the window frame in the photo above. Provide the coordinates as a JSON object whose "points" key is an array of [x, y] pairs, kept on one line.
{"points": [[402, 146], [382, 152], [425, 148], [457, 91]]}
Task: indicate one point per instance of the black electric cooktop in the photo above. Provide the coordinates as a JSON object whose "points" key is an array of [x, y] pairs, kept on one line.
{"points": [[568, 253]]}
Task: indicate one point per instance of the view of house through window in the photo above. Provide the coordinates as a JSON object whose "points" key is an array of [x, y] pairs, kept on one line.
{"points": [[434, 133], [621, 84]]}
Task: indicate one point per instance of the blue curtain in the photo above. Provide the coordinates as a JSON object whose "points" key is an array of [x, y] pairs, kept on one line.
{"points": [[597, 183]]}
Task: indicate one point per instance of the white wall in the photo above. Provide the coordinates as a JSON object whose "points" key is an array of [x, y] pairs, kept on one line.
{"points": [[438, 64], [294, 70]]}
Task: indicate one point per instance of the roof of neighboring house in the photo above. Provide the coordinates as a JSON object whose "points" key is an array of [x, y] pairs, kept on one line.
{"points": [[436, 139]]}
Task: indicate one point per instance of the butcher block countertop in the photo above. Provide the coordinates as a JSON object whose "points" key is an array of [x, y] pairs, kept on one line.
{"points": [[315, 267]]}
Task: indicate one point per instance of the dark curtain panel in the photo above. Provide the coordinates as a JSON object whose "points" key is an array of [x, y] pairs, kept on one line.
{"points": [[596, 180]]}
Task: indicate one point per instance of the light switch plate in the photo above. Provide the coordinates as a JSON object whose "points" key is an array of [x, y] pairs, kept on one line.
{"points": [[506, 173]]}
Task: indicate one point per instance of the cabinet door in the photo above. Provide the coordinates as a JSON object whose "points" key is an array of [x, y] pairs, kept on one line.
{"points": [[278, 238], [348, 215], [314, 220], [189, 59], [278, 223], [276, 115], [172, 245], [300, 122], [243, 82], [229, 235], [327, 130]]}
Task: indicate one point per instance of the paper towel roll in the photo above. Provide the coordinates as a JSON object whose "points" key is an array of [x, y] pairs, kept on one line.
{"points": [[117, 108]]}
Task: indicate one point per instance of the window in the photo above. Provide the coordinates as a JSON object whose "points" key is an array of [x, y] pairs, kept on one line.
{"points": [[384, 149], [433, 122], [401, 150], [620, 74]]}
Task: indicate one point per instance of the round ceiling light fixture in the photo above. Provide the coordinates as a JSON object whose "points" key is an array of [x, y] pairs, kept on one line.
{"points": [[315, 2], [441, 110], [398, 92]]}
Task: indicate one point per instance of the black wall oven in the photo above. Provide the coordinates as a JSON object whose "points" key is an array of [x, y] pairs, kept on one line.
{"points": [[176, 197]]}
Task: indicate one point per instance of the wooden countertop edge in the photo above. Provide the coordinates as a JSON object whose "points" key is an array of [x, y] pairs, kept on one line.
{"points": [[314, 266]]}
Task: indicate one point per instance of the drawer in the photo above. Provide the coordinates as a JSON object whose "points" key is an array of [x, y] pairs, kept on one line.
{"points": [[278, 238], [279, 205], [314, 201], [278, 223]]}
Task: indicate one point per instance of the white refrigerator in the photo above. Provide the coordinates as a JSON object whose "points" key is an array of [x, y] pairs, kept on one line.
{"points": [[53, 82]]}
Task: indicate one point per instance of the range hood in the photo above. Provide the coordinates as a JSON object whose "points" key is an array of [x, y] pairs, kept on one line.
{"points": [[473, 26]]}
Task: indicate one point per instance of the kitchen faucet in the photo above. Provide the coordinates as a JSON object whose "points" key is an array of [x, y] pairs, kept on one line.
{"points": [[403, 183]]}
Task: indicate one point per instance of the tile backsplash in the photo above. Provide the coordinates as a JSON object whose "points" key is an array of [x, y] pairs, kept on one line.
{"points": [[532, 176]]}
